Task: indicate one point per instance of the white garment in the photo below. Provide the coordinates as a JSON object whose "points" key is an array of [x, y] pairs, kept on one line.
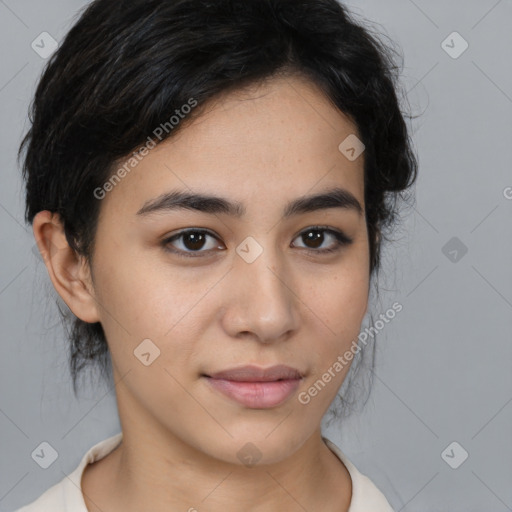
{"points": [[66, 496]]}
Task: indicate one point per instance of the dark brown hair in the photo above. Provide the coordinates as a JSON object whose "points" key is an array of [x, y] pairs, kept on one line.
{"points": [[127, 65]]}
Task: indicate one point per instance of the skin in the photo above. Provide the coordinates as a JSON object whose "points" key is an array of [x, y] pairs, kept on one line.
{"points": [[262, 146]]}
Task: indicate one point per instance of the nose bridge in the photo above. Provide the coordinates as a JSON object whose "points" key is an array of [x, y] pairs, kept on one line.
{"points": [[266, 304]]}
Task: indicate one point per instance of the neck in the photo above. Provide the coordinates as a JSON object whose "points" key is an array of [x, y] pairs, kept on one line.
{"points": [[152, 469], [179, 478]]}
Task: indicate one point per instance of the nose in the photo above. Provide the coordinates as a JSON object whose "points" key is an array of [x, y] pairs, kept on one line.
{"points": [[261, 299]]}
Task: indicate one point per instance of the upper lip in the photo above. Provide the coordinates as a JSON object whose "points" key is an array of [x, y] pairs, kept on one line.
{"points": [[251, 373]]}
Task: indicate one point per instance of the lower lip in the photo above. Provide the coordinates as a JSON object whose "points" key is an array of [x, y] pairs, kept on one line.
{"points": [[256, 395]]}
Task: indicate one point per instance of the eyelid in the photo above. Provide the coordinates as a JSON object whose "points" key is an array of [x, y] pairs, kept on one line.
{"points": [[342, 240], [176, 236], [337, 233]]}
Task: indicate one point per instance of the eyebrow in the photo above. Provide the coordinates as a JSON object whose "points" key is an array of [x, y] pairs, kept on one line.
{"points": [[176, 199]]}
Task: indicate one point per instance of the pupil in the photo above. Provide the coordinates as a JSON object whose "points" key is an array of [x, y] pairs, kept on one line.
{"points": [[316, 238], [197, 240]]}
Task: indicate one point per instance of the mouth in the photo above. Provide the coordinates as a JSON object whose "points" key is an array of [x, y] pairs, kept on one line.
{"points": [[251, 373], [254, 387]]}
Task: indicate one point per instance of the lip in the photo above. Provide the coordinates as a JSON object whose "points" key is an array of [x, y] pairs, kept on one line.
{"points": [[251, 373], [257, 388]]}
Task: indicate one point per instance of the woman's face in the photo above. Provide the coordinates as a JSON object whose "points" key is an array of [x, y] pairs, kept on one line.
{"points": [[254, 290]]}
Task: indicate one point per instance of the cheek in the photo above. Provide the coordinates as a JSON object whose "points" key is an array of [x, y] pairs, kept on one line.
{"points": [[337, 304], [144, 300], [348, 303], [338, 310], [150, 314], [340, 298], [146, 297]]}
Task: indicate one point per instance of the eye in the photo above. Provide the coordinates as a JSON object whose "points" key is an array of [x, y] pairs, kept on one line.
{"points": [[316, 236], [193, 240]]}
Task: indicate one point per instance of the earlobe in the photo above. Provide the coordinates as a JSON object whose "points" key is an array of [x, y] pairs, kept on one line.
{"points": [[68, 271]]}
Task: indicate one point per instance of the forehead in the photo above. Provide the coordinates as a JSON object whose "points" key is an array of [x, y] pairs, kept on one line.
{"points": [[264, 143]]}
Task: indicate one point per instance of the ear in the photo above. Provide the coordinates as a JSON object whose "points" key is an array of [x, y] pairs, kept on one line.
{"points": [[69, 272]]}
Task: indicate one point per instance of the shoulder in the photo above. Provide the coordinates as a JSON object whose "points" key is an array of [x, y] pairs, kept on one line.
{"points": [[365, 494], [66, 496]]}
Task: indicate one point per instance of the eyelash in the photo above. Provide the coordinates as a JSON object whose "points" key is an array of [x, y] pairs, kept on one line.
{"points": [[341, 240]]}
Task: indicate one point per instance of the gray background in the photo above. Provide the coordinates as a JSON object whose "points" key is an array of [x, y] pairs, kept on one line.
{"points": [[444, 363]]}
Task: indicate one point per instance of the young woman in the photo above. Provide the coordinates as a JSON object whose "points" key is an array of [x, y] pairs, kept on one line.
{"points": [[209, 183]]}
